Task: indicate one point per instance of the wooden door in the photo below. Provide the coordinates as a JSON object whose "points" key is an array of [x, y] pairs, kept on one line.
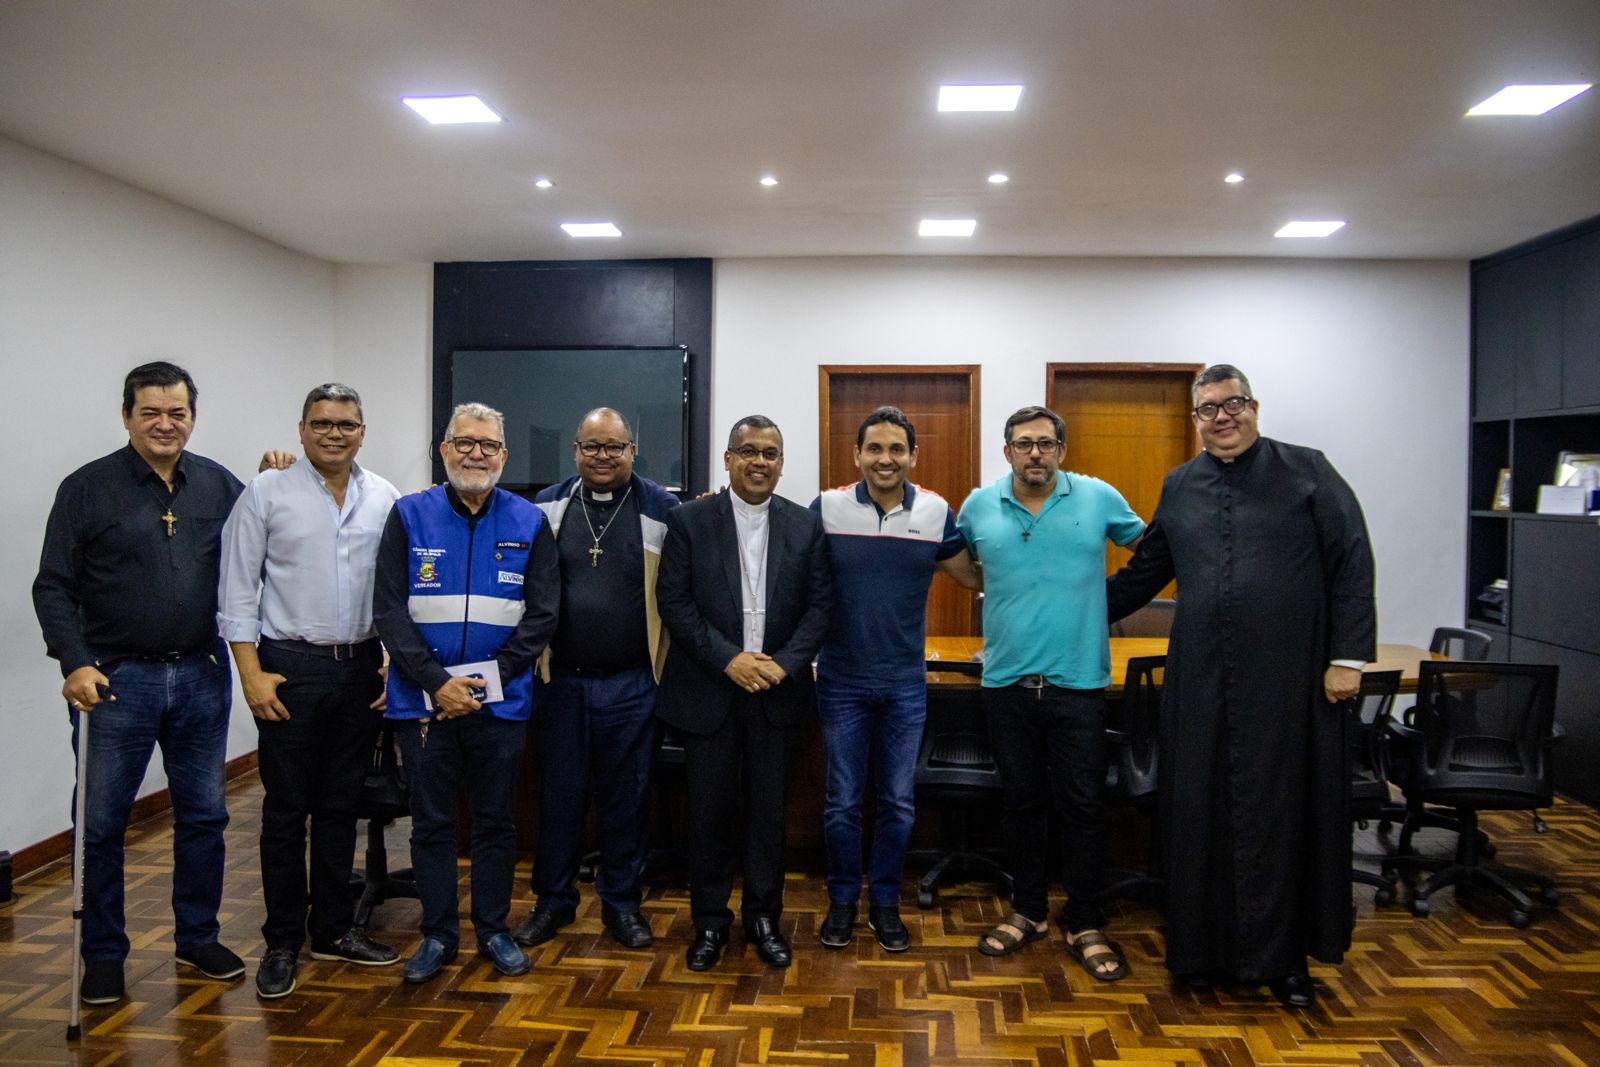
{"points": [[942, 403], [1127, 424]]}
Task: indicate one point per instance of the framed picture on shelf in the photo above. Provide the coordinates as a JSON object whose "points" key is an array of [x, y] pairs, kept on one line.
{"points": [[1578, 468], [1502, 491]]}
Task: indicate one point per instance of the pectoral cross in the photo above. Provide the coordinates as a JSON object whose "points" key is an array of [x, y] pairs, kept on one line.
{"points": [[595, 553], [1024, 535], [169, 518]]}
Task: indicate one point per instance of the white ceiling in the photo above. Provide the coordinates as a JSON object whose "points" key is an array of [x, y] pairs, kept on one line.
{"points": [[284, 118]]}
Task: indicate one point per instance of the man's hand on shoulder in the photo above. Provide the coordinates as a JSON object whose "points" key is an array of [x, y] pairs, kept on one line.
{"points": [[273, 460], [82, 688]]}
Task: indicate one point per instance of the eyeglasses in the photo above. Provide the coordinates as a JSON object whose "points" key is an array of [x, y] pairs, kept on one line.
{"points": [[1233, 405], [612, 449], [749, 453], [1046, 445], [323, 427], [465, 445]]}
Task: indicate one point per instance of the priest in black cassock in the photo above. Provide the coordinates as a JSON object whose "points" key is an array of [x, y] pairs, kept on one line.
{"points": [[1275, 619]]}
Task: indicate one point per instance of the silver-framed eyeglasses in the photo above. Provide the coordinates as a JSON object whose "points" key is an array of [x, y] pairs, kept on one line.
{"points": [[612, 449], [323, 427], [1046, 445], [1233, 405], [465, 445], [749, 452]]}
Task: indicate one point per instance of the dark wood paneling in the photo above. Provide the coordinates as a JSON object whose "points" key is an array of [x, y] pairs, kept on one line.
{"points": [[1577, 758], [1494, 336], [1537, 296], [1580, 356], [1555, 589]]}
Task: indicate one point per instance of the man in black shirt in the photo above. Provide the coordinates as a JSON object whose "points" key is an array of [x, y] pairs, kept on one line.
{"points": [[596, 725], [127, 599]]}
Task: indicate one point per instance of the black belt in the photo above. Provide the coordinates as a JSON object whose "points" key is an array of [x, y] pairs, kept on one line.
{"points": [[334, 652], [159, 657]]}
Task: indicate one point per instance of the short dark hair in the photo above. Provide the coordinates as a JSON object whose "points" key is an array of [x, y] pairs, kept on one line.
{"points": [[337, 392], [894, 417], [753, 422], [1219, 372], [627, 428], [1034, 411], [159, 374]]}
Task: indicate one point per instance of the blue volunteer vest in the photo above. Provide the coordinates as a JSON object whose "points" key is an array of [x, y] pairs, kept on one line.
{"points": [[466, 590]]}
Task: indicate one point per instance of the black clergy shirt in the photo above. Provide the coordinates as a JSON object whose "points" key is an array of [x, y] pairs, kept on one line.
{"points": [[602, 625], [112, 583]]}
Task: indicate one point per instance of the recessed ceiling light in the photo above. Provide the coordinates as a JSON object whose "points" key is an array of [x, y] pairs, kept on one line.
{"points": [[999, 179], [979, 97], [1309, 228], [1527, 99], [947, 227], [769, 180], [446, 110], [544, 183], [1234, 178], [591, 229]]}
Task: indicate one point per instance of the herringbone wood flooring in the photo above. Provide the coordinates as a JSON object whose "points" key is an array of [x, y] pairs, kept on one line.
{"points": [[1461, 987]]}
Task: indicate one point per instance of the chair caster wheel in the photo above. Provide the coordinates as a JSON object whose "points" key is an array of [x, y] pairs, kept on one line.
{"points": [[1419, 908], [925, 898], [1550, 897], [1383, 897], [1520, 919]]}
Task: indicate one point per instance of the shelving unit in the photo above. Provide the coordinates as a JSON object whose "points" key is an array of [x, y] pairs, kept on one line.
{"points": [[1536, 392]]}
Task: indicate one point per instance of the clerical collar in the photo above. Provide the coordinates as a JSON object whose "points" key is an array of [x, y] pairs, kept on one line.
{"points": [[598, 497], [1255, 446], [741, 504]]}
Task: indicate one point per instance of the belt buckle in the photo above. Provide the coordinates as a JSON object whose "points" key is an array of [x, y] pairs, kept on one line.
{"points": [[1032, 681], [348, 650]]}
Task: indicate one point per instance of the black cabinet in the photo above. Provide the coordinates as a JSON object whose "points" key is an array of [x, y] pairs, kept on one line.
{"points": [[1577, 757], [1580, 334]]}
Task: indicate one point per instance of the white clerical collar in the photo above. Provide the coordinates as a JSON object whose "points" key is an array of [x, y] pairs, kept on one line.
{"points": [[741, 504], [599, 497]]}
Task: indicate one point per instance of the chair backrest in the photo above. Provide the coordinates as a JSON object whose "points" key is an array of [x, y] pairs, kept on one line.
{"points": [[1152, 620], [386, 789], [1457, 643], [955, 757], [1370, 711], [1486, 732], [1134, 724]]}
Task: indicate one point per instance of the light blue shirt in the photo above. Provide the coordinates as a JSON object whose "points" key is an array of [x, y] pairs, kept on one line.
{"points": [[297, 566], [1044, 596]]}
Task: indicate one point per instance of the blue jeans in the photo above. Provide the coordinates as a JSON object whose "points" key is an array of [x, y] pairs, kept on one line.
{"points": [[883, 724], [183, 707], [482, 755]]}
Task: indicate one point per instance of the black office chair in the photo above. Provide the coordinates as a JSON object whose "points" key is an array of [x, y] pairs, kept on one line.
{"points": [[1131, 772], [1152, 620], [956, 771], [1368, 738], [1457, 643], [1482, 741], [385, 797]]}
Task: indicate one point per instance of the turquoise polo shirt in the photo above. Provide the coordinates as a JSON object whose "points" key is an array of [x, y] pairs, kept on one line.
{"points": [[1044, 596]]}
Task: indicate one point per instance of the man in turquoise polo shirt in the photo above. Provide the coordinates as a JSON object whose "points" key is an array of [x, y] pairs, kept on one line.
{"points": [[1040, 534]]}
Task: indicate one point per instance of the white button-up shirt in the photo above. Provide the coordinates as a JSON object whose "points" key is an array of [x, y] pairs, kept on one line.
{"points": [[296, 565], [750, 526]]}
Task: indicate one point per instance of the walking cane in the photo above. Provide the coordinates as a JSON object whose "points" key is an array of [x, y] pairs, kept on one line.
{"points": [[73, 1032]]}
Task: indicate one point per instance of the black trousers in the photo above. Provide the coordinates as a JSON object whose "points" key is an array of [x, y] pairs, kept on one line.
{"points": [[1050, 746], [312, 765], [746, 757]]}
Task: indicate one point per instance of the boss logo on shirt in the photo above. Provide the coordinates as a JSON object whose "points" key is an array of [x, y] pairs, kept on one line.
{"points": [[510, 578]]}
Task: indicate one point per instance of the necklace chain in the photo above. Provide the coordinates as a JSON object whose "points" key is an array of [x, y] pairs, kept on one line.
{"points": [[594, 553]]}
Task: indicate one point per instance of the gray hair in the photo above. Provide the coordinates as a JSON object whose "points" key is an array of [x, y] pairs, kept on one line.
{"points": [[1219, 372], [627, 428], [337, 392], [474, 410]]}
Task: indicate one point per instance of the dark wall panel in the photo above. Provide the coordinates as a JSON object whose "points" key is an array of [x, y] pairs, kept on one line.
{"points": [[1577, 757], [1580, 363]]}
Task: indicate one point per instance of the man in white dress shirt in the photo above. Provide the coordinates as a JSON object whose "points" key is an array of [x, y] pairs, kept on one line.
{"points": [[295, 606]]}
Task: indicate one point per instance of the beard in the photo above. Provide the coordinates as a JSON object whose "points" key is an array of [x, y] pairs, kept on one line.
{"points": [[469, 480]]}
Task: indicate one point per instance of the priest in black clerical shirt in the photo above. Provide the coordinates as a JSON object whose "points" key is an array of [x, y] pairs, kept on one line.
{"points": [[595, 731], [1275, 619]]}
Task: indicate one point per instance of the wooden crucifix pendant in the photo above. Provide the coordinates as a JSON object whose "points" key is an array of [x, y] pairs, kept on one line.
{"points": [[595, 553], [1024, 535], [169, 518]]}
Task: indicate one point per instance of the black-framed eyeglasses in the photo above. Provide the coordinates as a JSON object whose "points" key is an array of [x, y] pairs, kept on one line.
{"points": [[750, 452], [1233, 405], [1046, 445], [612, 449], [323, 427], [465, 445]]}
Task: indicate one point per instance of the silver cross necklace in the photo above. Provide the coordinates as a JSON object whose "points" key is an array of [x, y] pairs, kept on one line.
{"points": [[596, 551]]}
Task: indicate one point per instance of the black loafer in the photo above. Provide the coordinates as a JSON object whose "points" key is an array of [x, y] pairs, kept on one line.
{"points": [[1294, 991], [706, 949], [886, 923], [503, 952], [541, 925], [102, 982], [428, 960], [276, 976], [838, 926], [628, 929], [213, 961], [356, 947], [763, 933]]}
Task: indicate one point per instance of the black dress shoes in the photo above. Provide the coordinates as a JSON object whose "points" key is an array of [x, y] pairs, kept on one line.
{"points": [[628, 928], [541, 925], [762, 932], [706, 949], [1294, 991]]}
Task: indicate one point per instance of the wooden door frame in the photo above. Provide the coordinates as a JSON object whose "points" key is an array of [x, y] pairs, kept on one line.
{"points": [[1052, 369], [827, 371]]}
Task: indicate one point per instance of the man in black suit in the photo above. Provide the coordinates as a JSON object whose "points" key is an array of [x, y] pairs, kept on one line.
{"points": [[745, 591]]}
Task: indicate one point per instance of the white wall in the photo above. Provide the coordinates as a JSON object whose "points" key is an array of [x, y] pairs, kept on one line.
{"points": [[1367, 361], [97, 277]]}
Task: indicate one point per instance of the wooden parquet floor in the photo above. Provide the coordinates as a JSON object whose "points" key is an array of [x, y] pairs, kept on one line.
{"points": [[1458, 988]]}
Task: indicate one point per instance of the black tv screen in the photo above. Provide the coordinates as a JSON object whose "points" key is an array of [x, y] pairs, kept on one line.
{"points": [[545, 392]]}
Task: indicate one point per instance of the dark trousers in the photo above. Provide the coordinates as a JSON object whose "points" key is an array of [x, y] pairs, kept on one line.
{"points": [[1050, 746], [746, 749], [183, 707], [481, 754], [312, 766], [597, 737]]}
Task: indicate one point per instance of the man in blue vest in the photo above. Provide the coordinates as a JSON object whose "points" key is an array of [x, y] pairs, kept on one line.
{"points": [[465, 599]]}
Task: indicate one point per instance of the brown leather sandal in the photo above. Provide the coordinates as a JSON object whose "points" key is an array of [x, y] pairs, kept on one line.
{"points": [[1080, 944], [1008, 941]]}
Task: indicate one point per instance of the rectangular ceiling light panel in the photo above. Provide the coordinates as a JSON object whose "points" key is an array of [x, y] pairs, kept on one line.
{"points": [[979, 97], [451, 110]]}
